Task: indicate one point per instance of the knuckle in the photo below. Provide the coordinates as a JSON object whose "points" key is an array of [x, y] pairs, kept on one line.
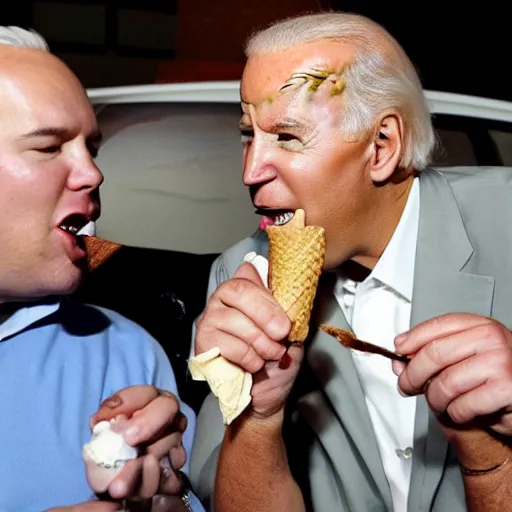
{"points": [[256, 339], [435, 351], [492, 334], [251, 361], [439, 393], [457, 413], [236, 287]]}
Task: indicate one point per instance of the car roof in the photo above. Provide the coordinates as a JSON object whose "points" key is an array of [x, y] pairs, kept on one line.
{"points": [[227, 91]]}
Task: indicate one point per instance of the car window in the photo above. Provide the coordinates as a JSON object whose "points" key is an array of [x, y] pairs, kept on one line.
{"points": [[173, 176], [173, 171], [503, 141], [470, 141]]}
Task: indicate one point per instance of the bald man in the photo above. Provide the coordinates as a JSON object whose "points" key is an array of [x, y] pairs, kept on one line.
{"points": [[64, 367]]}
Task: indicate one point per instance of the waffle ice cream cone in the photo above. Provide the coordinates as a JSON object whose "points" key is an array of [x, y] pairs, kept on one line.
{"points": [[99, 250], [296, 259]]}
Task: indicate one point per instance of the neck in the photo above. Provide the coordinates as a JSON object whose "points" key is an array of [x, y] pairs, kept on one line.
{"points": [[388, 209]]}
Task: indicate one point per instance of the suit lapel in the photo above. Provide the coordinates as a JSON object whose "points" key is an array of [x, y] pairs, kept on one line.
{"points": [[334, 368], [442, 285]]}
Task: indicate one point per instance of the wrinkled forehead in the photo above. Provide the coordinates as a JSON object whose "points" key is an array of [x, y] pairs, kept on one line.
{"points": [[299, 81]]}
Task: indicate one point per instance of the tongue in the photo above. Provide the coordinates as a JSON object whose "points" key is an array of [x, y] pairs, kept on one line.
{"points": [[265, 222]]}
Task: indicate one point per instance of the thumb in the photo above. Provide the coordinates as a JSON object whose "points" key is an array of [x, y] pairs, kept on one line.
{"points": [[250, 272]]}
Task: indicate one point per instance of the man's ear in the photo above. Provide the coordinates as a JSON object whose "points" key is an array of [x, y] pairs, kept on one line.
{"points": [[387, 148]]}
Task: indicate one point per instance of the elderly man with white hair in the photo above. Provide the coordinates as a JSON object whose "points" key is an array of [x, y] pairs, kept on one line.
{"points": [[335, 123], [67, 367]]}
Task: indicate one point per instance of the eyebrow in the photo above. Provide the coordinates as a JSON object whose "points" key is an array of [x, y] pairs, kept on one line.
{"points": [[51, 131], [287, 123]]}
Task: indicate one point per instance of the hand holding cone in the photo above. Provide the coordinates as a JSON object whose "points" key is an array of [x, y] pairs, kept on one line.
{"points": [[296, 258]]}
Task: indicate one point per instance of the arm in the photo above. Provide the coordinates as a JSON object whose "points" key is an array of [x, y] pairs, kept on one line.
{"points": [[463, 365], [486, 465], [253, 471], [246, 323], [158, 420]]}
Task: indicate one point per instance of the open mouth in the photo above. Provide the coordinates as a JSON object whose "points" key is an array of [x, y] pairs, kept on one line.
{"points": [[276, 217], [74, 224]]}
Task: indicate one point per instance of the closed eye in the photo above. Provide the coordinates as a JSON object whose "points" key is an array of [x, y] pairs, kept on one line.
{"points": [[286, 137], [289, 142], [48, 149]]}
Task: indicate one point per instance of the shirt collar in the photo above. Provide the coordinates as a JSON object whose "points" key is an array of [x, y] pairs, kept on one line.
{"points": [[26, 316], [395, 268]]}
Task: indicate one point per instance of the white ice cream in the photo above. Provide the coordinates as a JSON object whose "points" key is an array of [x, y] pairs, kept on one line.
{"points": [[108, 448]]}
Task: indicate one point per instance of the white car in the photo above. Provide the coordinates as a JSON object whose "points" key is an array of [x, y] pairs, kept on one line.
{"points": [[173, 194], [172, 159]]}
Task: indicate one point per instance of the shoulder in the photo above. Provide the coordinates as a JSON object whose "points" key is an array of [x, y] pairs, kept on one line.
{"points": [[106, 330], [481, 192], [478, 180], [89, 320]]}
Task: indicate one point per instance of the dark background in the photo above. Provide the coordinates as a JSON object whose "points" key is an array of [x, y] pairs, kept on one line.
{"points": [[457, 46]]}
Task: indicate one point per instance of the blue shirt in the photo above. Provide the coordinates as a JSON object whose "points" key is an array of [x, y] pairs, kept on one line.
{"points": [[58, 361]]}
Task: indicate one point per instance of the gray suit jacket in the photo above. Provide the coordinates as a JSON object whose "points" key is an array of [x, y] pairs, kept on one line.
{"points": [[463, 264]]}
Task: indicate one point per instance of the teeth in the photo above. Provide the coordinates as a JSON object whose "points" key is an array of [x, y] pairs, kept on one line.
{"points": [[283, 218], [71, 229]]}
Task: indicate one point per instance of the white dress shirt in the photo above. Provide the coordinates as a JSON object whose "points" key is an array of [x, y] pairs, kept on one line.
{"points": [[378, 309]]}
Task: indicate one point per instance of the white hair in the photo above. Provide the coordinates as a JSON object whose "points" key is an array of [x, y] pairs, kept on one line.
{"points": [[380, 79], [21, 38]]}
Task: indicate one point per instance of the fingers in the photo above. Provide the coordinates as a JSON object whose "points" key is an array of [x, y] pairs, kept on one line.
{"points": [[237, 325], [484, 400], [442, 352], [171, 482], [143, 477], [412, 341], [162, 503], [153, 413], [244, 321], [244, 294], [139, 479], [90, 506], [460, 379], [171, 446], [126, 402]]}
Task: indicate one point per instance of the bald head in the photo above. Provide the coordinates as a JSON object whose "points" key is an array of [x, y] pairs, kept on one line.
{"points": [[33, 80], [48, 140]]}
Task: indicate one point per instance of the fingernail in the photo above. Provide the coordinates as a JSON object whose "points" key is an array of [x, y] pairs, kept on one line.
{"points": [[117, 489], [131, 435], [112, 402], [400, 339], [278, 327], [398, 367]]}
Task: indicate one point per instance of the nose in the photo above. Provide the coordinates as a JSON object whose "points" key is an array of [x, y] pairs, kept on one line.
{"points": [[258, 163], [85, 175]]}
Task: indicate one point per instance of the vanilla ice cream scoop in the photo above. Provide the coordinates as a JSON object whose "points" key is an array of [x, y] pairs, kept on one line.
{"points": [[105, 455]]}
